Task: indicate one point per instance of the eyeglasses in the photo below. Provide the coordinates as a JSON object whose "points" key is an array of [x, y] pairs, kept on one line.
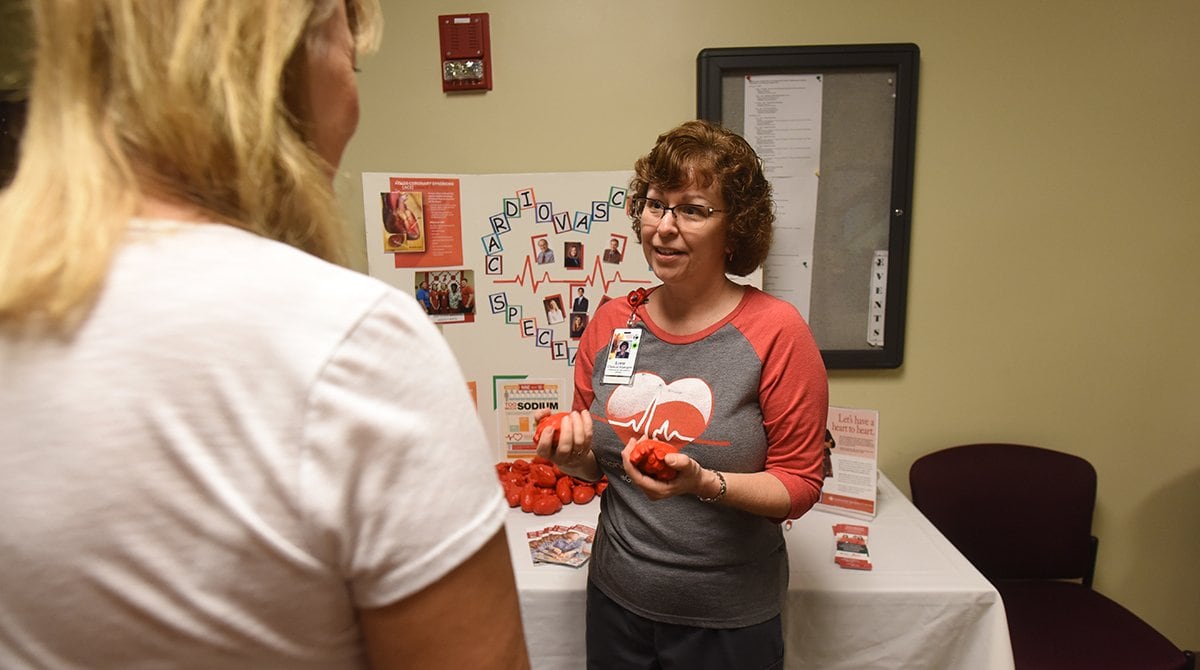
{"points": [[687, 212]]}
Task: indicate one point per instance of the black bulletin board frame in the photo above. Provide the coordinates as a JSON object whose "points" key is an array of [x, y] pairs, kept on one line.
{"points": [[841, 300]]}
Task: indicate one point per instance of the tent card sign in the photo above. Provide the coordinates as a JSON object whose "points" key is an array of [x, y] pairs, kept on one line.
{"points": [[537, 254], [851, 473]]}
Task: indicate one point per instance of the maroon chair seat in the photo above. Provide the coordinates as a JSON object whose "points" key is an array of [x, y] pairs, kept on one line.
{"points": [[1064, 625], [1022, 515]]}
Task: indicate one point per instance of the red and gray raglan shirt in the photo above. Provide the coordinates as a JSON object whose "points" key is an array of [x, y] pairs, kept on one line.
{"points": [[747, 394]]}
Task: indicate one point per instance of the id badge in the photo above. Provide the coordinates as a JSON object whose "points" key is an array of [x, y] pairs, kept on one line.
{"points": [[622, 352]]}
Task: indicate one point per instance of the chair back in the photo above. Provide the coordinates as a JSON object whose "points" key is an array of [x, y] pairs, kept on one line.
{"points": [[1015, 511]]}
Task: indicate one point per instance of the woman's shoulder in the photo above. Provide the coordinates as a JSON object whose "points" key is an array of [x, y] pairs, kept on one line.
{"points": [[763, 317], [232, 274], [240, 249], [760, 304]]}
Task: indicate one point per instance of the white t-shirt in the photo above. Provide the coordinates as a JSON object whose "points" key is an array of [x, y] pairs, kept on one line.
{"points": [[240, 447]]}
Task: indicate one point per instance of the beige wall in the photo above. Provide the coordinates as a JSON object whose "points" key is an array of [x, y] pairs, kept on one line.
{"points": [[1056, 218]]}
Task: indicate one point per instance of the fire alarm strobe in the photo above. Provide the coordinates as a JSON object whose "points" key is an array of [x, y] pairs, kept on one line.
{"points": [[466, 52]]}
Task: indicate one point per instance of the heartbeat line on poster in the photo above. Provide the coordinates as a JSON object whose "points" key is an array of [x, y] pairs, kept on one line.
{"points": [[597, 276]]}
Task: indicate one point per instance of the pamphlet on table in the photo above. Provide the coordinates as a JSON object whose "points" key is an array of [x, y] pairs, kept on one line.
{"points": [[561, 545], [850, 546]]}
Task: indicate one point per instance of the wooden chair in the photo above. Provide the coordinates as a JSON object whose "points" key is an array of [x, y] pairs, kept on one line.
{"points": [[1023, 516]]}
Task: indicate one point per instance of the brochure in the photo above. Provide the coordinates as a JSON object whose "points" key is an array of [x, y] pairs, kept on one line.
{"points": [[850, 546], [561, 545]]}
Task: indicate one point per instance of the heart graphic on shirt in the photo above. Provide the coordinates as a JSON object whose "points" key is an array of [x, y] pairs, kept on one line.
{"points": [[678, 412]]}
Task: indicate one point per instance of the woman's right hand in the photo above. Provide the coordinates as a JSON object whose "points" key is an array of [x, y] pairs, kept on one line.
{"points": [[569, 445]]}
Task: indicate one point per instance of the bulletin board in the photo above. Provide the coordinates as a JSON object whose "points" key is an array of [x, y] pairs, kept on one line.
{"points": [[851, 110], [510, 267]]}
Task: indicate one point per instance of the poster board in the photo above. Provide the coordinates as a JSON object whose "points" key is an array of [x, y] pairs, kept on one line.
{"points": [[539, 252], [854, 270]]}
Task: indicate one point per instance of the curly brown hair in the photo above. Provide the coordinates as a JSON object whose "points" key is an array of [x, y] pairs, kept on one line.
{"points": [[702, 153]]}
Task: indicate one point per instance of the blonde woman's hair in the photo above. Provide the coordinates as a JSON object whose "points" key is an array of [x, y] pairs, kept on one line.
{"points": [[196, 102]]}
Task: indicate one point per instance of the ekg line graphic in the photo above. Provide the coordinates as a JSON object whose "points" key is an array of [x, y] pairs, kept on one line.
{"points": [[597, 275], [663, 432], [635, 425]]}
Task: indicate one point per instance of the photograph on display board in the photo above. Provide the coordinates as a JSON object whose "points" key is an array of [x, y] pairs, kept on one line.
{"points": [[573, 252], [403, 216], [616, 249], [579, 301], [447, 296], [543, 254], [579, 321], [554, 309]]}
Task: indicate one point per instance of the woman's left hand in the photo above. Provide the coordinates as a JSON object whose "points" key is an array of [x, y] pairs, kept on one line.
{"points": [[687, 482]]}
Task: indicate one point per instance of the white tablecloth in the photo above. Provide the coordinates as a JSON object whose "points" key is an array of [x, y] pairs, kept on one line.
{"points": [[922, 606]]}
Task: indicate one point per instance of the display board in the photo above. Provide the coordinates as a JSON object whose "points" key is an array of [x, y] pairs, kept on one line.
{"points": [[835, 127], [511, 267]]}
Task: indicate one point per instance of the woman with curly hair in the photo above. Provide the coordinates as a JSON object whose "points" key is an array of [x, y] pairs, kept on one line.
{"points": [[689, 570]]}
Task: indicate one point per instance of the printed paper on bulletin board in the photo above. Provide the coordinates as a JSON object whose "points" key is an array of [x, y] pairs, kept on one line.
{"points": [[539, 252]]}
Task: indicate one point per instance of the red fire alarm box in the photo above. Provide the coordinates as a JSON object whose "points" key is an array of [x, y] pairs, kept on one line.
{"points": [[466, 52]]}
